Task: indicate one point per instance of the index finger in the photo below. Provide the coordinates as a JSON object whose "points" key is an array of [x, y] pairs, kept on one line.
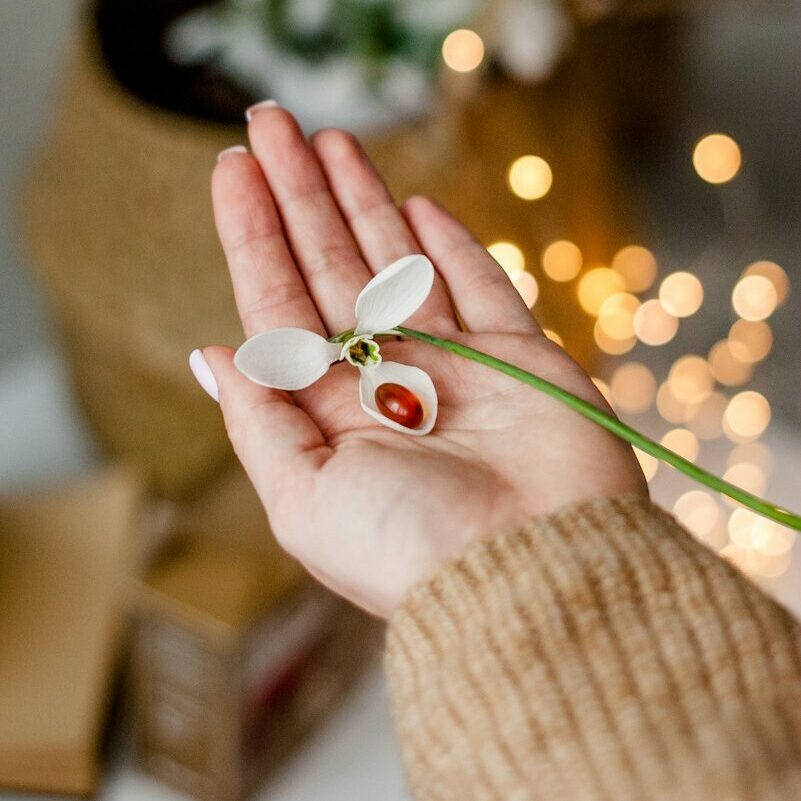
{"points": [[269, 289]]}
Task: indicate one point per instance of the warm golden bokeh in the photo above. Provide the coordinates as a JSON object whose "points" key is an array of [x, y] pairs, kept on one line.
{"points": [[754, 297], [636, 265], [717, 158], [775, 274], [670, 408], [610, 345], [530, 177], [616, 315], [463, 50], [681, 294], [747, 415], [596, 286], [705, 418], [698, 512], [690, 379], [633, 388], [562, 260], [508, 255], [750, 342], [683, 442], [726, 367], [653, 325], [649, 464], [526, 285], [604, 389], [553, 336], [745, 475]]}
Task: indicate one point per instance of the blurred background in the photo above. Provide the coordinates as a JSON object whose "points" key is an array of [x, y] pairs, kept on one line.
{"points": [[635, 167]]}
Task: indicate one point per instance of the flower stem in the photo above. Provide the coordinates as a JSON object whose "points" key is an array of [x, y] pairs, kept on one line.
{"points": [[616, 427]]}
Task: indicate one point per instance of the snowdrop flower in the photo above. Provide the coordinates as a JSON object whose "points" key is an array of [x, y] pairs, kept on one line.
{"points": [[293, 358]]}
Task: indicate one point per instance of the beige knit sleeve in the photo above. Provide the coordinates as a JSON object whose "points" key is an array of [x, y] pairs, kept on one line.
{"points": [[597, 653]]}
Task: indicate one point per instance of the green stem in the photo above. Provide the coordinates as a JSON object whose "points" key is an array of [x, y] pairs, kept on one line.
{"points": [[611, 423]]}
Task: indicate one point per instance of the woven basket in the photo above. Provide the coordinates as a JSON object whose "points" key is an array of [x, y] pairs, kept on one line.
{"points": [[119, 221]]}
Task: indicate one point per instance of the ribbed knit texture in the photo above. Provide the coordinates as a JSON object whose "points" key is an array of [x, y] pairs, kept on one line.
{"points": [[596, 653]]}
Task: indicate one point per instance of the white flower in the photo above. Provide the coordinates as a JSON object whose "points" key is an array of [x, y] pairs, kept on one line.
{"points": [[293, 358]]}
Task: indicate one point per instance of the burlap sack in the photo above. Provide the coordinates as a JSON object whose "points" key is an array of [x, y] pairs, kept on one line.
{"points": [[119, 221]]}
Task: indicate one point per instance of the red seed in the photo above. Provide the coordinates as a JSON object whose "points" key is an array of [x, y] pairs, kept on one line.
{"points": [[400, 405]]}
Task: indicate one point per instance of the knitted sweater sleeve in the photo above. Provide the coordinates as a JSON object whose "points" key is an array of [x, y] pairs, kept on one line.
{"points": [[596, 653]]}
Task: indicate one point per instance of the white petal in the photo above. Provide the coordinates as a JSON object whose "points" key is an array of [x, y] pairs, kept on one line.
{"points": [[286, 358], [413, 378], [394, 294]]}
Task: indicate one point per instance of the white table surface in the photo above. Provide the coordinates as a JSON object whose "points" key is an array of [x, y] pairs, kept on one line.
{"points": [[353, 756]]}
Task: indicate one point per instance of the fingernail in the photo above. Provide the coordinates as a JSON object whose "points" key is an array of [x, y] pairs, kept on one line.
{"points": [[202, 372], [230, 151], [253, 109]]}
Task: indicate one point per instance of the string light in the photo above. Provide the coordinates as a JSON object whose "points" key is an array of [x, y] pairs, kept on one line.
{"points": [[726, 367], [636, 265], [616, 315], [747, 415], [508, 255], [530, 177], [463, 50], [526, 285], [698, 512], [596, 286], [717, 158], [648, 464], [553, 336], [562, 260], [754, 297], [633, 387], [705, 418], [775, 274], [681, 294], [653, 325], [750, 342], [690, 379], [683, 442]]}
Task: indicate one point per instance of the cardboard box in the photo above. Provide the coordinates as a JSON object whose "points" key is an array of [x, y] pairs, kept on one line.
{"points": [[66, 560]]}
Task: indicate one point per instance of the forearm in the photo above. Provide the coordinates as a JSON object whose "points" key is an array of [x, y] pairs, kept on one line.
{"points": [[596, 653]]}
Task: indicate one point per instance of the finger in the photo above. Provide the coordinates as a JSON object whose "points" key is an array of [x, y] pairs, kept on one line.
{"points": [[324, 249], [269, 290], [274, 439], [381, 231], [482, 293]]}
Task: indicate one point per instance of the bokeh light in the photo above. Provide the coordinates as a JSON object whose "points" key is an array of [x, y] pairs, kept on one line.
{"points": [[508, 255], [681, 294], [752, 452], [553, 336], [683, 442], [596, 286], [653, 325], [705, 418], [690, 379], [754, 297], [775, 274], [616, 315], [562, 260], [526, 285], [745, 475], [747, 415], [610, 345], [604, 389], [698, 512], [717, 158], [530, 177], [750, 342], [670, 408], [463, 50], [633, 388], [726, 368], [636, 265], [648, 464]]}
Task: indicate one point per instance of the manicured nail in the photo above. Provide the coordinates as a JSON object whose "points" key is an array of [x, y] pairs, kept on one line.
{"points": [[202, 372], [253, 109], [229, 151]]}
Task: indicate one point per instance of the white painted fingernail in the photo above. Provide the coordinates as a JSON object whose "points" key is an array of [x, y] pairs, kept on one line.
{"points": [[202, 372], [256, 107], [230, 151]]}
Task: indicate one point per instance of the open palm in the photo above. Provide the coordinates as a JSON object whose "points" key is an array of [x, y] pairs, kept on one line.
{"points": [[370, 511]]}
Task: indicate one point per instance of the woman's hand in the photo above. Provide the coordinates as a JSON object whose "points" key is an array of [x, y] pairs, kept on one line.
{"points": [[371, 512]]}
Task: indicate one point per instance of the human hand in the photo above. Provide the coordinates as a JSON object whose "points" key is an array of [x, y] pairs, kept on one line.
{"points": [[369, 511]]}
